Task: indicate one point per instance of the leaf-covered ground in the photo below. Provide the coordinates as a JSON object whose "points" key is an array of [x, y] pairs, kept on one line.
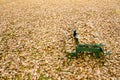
{"points": [[34, 35]]}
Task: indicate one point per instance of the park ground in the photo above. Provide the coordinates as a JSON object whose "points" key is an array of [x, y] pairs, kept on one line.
{"points": [[34, 35]]}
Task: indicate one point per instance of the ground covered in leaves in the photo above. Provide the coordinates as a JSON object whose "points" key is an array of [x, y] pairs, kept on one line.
{"points": [[34, 35]]}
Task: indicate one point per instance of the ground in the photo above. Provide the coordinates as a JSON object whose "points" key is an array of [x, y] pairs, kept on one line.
{"points": [[34, 35]]}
